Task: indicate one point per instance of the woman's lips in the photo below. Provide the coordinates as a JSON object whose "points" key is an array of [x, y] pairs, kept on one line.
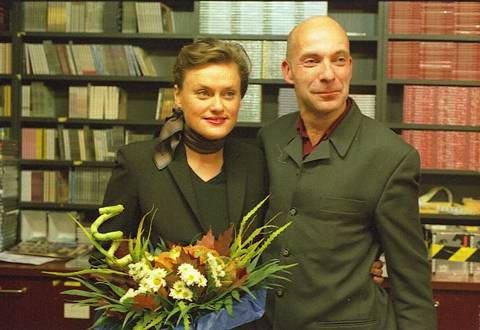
{"points": [[216, 120]]}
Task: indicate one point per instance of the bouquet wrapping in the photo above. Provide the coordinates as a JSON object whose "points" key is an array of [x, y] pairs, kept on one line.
{"points": [[215, 283]]}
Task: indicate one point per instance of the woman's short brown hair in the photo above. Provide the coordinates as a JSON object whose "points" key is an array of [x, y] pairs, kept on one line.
{"points": [[210, 50]]}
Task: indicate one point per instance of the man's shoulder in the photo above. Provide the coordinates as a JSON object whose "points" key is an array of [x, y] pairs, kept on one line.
{"points": [[380, 135], [281, 124]]}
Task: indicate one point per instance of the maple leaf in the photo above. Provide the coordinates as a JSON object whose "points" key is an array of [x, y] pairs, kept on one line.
{"points": [[145, 301], [222, 244], [208, 240], [122, 249]]}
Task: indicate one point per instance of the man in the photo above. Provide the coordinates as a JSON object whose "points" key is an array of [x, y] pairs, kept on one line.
{"points": [[350, 187]]}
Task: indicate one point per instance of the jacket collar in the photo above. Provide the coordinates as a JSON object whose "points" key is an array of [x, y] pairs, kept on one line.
{"points": [[341, 138], [236, 183]]}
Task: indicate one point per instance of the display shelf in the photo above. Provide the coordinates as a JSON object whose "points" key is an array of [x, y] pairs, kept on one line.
{"points": [[58, 206]]}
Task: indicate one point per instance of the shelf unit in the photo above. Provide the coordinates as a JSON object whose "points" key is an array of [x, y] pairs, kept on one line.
{"points": [[369, 51]]}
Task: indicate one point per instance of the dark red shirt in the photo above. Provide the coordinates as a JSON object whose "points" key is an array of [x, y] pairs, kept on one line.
{"points": [[302, 131]]}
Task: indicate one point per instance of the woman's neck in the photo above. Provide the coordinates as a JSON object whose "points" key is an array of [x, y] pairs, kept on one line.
{"points": [[205, 166]]}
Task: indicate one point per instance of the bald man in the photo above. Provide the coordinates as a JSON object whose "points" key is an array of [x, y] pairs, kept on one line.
{"points": [[350, 187]]}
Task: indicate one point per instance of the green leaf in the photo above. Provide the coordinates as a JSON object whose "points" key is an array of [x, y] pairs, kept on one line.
{"points": [[236, 295], [228, 302]]}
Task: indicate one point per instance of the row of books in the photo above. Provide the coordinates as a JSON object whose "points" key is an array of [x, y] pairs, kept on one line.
{"points": [[70, 16], [287, 102], [97, 16], [5, 100], [5, 133], [61, 143], [84, 59], [251, 105], [97, 102], [5, 58], [434, 60], [146, 17], [442, 105], [266, 57], [434, 17], [78, 185], [269, 17], [8, 193], [446, 149]]}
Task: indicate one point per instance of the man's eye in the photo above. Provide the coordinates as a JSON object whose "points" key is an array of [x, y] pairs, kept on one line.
{"points": [[341, 60], [310, 62]]}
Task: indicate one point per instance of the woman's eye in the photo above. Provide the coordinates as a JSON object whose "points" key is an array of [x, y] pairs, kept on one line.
{"points": [[202, 93], [229, 94]]}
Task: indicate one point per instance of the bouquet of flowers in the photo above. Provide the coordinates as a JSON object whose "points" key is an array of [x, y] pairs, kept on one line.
{"points": [[215, 283]]}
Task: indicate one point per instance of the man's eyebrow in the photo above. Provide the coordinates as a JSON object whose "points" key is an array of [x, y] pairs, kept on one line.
{"points": [[340, 52]]}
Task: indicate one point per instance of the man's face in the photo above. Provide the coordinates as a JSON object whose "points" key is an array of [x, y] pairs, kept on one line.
{"points": [[320, 67]]}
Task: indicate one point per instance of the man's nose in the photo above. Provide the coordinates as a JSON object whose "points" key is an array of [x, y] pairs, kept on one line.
{"points": [[326, 72]]}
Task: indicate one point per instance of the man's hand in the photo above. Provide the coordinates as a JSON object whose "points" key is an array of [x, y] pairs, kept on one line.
{"points": [[377, 272]]}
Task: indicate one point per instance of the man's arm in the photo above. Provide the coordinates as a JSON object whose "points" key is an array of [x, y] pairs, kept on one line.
{"points": [[400, 231]]}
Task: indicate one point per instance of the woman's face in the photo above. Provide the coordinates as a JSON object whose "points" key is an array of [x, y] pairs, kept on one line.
{"points": [[210, 99]]}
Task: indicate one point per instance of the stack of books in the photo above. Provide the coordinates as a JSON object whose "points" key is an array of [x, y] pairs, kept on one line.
{"points": [[8, 194], [251, 106], [446, 149], [434, 17], [433, 60], [441, 105], [269, 17]]}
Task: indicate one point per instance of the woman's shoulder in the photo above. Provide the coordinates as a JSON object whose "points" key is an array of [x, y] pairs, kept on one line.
{"points": [[242, 149]]}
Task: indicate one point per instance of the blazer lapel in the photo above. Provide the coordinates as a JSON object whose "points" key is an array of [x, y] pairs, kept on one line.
{"points": [[236, 183], [181, 174]]}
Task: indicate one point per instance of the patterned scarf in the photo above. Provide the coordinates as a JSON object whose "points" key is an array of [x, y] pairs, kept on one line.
{"points": [[171, 134]]}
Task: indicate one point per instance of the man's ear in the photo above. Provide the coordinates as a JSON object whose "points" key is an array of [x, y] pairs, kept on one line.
{"points": [[287, 72]]}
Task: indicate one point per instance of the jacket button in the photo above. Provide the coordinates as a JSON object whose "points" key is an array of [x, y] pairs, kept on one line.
{"points": [[292, 211], [279, 293], [285, 252]]}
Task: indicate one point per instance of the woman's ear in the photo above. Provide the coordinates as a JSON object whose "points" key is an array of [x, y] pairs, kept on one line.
{"points": [[176, 95]]}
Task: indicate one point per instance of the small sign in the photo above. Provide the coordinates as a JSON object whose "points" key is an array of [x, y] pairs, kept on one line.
{"points": [[75, 311]]}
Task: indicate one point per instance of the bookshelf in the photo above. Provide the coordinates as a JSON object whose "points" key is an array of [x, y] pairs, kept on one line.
{"points": [[367, 24]]}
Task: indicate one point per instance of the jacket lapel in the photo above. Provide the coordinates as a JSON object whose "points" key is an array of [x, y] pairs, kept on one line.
{"points": [[181, 174], [236, 183]]}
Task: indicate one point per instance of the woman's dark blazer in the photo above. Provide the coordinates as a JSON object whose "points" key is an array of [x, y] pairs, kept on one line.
{"points": [[140, 187]]}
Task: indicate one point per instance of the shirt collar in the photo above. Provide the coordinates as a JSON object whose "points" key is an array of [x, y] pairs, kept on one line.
{"points": [[302, 131]]}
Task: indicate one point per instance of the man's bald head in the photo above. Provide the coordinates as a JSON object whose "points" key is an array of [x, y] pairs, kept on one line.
{"points": [[320, 23]]}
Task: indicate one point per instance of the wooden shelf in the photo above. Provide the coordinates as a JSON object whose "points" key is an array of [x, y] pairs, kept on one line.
{"points": [[28, 36], [89, 79], [449, 219], [430, 127], [435, 82], [64, 163], [58, 206], [434, 37]]}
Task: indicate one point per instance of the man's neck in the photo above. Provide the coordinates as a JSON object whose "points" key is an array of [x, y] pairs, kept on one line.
{"points": [[317, 123]]}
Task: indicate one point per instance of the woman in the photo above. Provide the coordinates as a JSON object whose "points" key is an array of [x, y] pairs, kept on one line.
{"points": [[194, 175]]}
